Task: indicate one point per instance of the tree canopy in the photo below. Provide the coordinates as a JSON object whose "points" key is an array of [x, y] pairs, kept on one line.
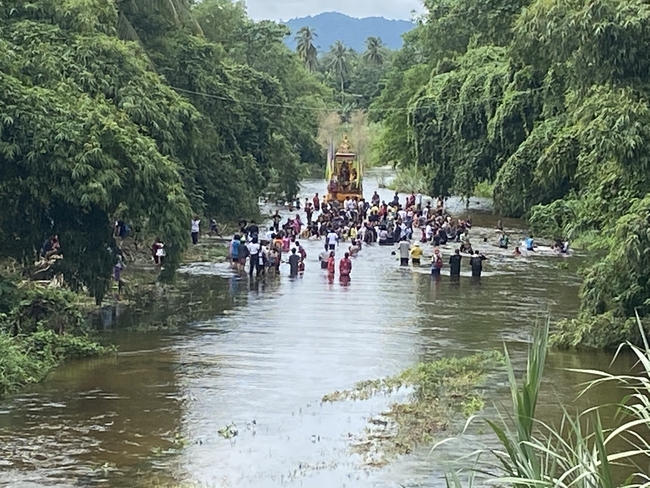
{"points": [[146, 112]]}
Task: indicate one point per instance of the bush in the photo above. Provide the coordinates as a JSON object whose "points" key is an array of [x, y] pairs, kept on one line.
{"points": [[42, 328], [52, 309], [411, 179], [596, 331], [18, 369]]}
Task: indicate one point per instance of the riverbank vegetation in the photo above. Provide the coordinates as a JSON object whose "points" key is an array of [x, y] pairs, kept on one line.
{"points": [[442, 391], [591, 448], [39, 328], [145, 112], [548, 102]]}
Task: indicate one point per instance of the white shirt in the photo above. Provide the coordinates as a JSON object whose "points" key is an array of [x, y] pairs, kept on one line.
{"points": [[332, 238], [253, 248], [404, 248], [195, 225], [402, 214], [425, 212]]}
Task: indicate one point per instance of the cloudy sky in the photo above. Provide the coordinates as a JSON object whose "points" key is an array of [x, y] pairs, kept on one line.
{"points": [[288, 9]]}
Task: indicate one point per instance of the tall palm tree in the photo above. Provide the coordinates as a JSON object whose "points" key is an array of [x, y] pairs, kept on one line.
{"points": [[305, 47], [340, 64], [375, 51]]}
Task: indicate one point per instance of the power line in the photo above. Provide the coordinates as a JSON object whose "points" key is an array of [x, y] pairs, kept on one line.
{"points": [[333, 109]]}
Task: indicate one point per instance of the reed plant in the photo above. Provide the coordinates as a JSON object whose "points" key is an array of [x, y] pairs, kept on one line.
{"points": [[580, 452]]}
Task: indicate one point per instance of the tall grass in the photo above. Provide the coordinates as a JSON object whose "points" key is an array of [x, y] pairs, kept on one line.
{"points": [[580, 452]]}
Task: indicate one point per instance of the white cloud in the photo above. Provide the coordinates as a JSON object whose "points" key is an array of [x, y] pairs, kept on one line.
{"points": [[289, 9]]}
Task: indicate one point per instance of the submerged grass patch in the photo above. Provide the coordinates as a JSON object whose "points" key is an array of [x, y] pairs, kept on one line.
{"points": [[206, 251], [441, 391]]}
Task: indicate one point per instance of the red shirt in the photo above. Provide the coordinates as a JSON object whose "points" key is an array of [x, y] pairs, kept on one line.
{"points": [[331, 265], [345, 266]]}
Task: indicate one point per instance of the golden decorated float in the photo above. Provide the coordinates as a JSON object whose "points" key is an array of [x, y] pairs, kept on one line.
{"points": [[344, 174]]}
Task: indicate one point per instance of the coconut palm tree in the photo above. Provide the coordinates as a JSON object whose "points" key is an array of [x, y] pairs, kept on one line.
{"points": [[305, 47], [375, 51], [339, 64]]}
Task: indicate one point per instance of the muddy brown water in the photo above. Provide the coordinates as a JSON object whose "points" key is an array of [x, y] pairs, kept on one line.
{"points": [[261, 355]]}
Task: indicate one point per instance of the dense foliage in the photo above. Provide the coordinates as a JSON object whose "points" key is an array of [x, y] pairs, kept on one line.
{"points": [[547, 101], [39, 328], [145, 111]]}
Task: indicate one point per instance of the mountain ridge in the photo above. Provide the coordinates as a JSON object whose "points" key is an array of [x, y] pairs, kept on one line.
{"points": [[352, 31]]}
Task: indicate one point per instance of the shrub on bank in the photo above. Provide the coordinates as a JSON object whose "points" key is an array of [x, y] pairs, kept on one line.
{"points": [[596, 332], [39, 329]]}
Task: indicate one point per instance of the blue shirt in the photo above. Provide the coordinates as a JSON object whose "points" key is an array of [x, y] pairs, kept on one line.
{"points": [[235, 248], [529, 244]]}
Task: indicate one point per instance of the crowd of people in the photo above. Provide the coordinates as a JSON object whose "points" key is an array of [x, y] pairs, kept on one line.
{"points": [[410, 225]]}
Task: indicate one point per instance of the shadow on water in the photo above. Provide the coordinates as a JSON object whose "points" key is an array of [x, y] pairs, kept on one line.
{"points": [[261, 354]]}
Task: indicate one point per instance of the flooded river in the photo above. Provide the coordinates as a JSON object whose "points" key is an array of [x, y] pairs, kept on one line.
{"points": [[261, 355]]}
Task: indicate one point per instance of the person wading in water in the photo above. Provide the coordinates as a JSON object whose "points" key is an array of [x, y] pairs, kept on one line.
{"points": [[254, 250], [436, 263], [331, 264], [345, 266], [294, 263], [416, 254], [404, 252], [454, 263], [476, 262]]}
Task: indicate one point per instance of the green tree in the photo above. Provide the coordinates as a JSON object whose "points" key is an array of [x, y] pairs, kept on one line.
{"points": [[90, 132], [548, 101], [176, 12], [375, 52], [306, 49], [75, 146], [339, 64]]}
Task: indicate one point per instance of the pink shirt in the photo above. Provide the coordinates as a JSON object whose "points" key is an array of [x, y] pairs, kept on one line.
{"points": [[286, 244]]}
